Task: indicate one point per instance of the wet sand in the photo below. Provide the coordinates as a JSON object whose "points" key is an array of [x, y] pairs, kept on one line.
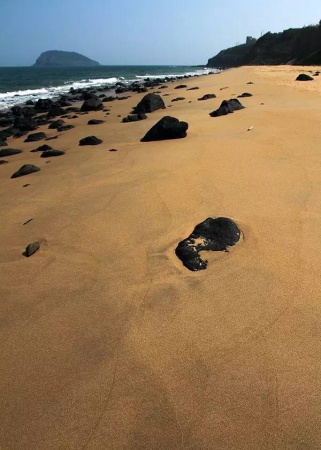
{"points": [[107, 341]]}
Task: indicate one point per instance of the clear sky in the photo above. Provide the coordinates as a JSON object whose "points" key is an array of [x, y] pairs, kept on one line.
{"points": [[179, 32]]}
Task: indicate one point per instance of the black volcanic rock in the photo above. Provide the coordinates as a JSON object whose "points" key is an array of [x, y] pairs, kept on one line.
{"points": [[303, 77], [92, 104], [213, 234], [245, 94], [227, 107], [181, 86], [3, 144], [134, 118], [207, 97], [167, 128], [9, 152], [43, 105], [65, 127], [25, 123], [3, 161], [35, 137], [42, 148], [58, 58], [52, 153], [56, 124], [32, 248], [95, 122], [149, 103], [90, 140], [25, 170], [55, 110]]}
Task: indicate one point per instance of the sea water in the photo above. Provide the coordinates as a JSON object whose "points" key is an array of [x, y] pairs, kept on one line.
{"points": [[19, 84]]}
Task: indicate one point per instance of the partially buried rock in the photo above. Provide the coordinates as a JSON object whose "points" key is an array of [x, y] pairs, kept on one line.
{"points": [[213, 234], [92, 104], [49, 153], [25, 170], [56, 124], [32, 248], [66, 127], [149, 103], [9, 152], [181, 86], [134, 118], [3, 161], [245, 94], [227, 107], [35, 137], [193, 88], [95, 122], [207, 97], [167, 128], [90, 140], [42, 148], [178, 99], [304, 77]]}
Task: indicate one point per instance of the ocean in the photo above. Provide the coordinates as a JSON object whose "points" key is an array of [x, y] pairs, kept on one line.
{"points": [[19, 84]]}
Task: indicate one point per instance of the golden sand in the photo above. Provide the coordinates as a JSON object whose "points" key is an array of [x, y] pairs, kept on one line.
{"points": [[107, 341]]}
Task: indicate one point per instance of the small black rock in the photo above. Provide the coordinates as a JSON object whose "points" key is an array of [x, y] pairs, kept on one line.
{"points": [[167, 128], [9, 152], [42, 148], [35, 137], [52, 152], [32, 248], [25, 170], [207, 97], [245, 94], [90, 140], [304, 77], [95, 122]]}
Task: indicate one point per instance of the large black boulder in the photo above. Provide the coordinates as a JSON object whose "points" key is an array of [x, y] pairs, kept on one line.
{"points": [[55, 110], [35, 137], [167, 128], [9, 152], [25, 170], [304, 77], [90, 140], [43, 104], [213, 234], [227, 107], [92, 104], [149, 103]]}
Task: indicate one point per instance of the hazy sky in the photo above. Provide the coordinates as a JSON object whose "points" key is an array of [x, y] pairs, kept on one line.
{"points": [[142, 31]]}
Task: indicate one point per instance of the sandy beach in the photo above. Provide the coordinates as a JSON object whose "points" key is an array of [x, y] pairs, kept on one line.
{"points": [[107, 340]]}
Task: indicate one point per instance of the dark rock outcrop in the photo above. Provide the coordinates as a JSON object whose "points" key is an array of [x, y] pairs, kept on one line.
{"points": [[207, 97], [227, 107], [213, 234], [167, 128], [303, 77], [9, 152], [134, 118], [92, 104], [25, 170], [58, 58], [149, 103], [90, 140], [35, 137]]}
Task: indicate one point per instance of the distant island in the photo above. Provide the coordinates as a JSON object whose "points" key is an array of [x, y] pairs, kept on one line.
{"points": [[58, 58], [296, 46]]}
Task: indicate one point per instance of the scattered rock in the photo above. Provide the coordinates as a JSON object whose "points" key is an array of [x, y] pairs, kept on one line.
{"points": [[66, 127], [227, 107], [95, 122], [3, 161], [9, 152], [90, 140], [3, 144], [167, 128], [213, 234], [35, 137], [42, 148], [27, 221], [181, 86], [56, 124], [134, 118], [250, 82], [178, 99], [112, 150], [51, 138], [149, 103], [52, 152], [193, 88], [55, 110], [207, 97], [92, 104], [26, 185], [32, 248], [25, 170], [245, 94], [304, 77]]}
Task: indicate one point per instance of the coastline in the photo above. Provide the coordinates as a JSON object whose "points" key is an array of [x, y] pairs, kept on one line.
{"points": [[107, 340]]}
